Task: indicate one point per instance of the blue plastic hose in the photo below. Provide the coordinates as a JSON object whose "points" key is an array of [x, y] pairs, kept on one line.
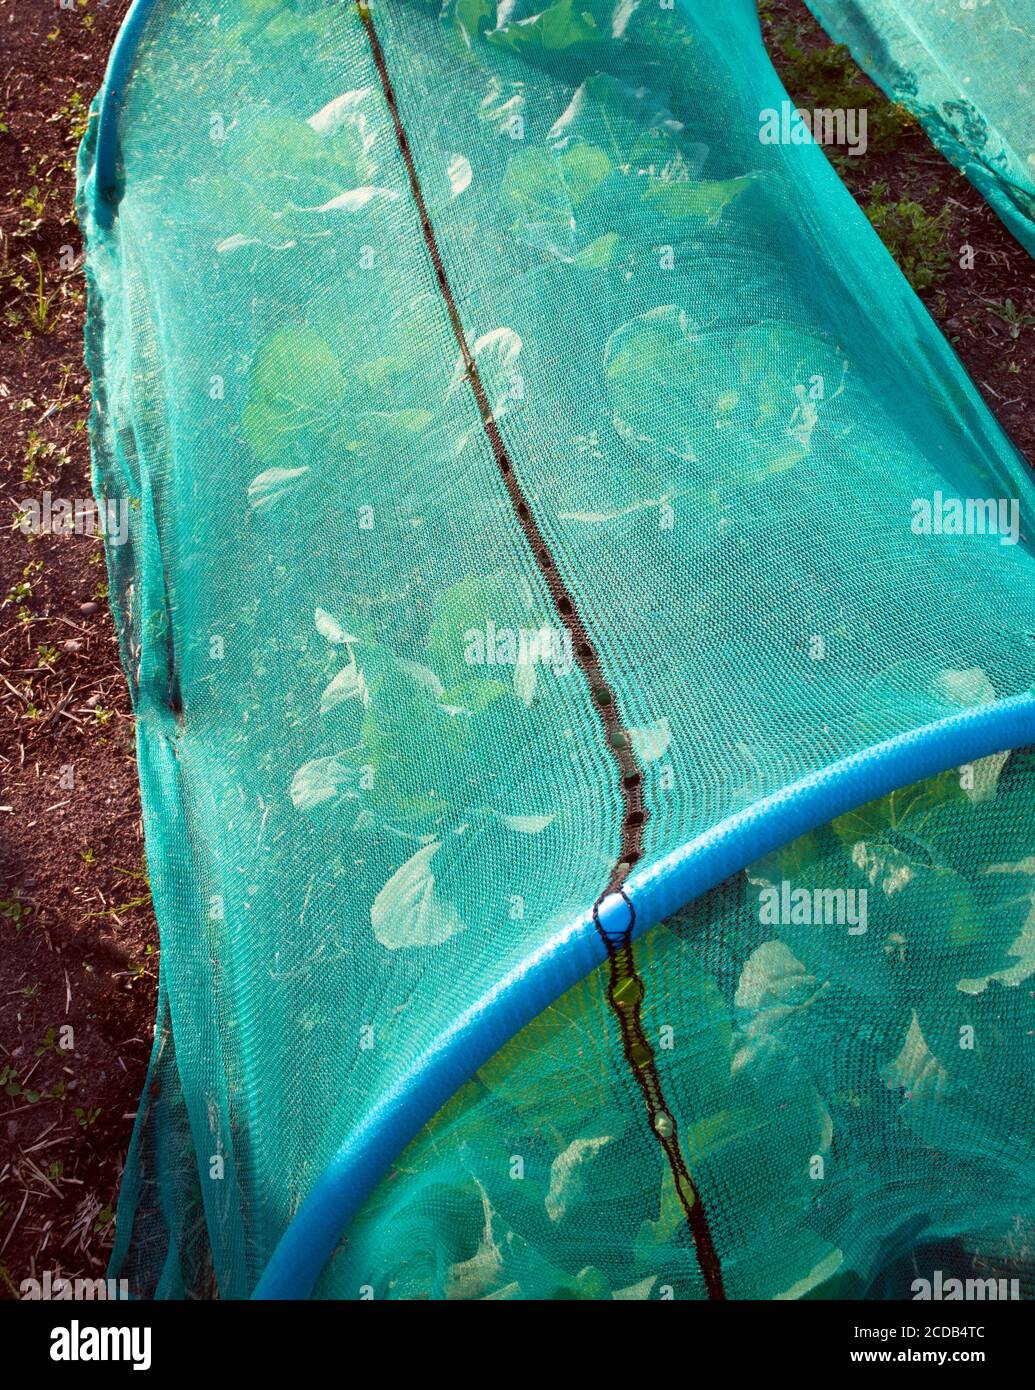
{"points": [[656, 894], [113, 94]]}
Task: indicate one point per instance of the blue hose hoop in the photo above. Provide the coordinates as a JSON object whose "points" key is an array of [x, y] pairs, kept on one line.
{"points": [[104, 193], [555, 967]]}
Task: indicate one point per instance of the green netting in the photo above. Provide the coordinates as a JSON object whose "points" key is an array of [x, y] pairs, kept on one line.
{"points": [[532, 473], [964, 67], [834, 1115]]}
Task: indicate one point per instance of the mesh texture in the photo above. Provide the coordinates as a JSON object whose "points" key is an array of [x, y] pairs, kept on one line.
{"points": [[375, 775]]}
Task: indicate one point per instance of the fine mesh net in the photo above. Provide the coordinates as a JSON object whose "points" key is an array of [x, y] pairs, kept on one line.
{"points": [[964, 67], [834, 1114], [530, 471]]}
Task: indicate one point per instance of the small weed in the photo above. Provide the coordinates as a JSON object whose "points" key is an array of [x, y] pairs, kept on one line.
{"points": [[20, 594], [11, 1086], [914, 237], [141, 876], [10, 276], [75, 116], [41, 313], [38, 451], [34, 206], [140, 970], [1014, 318], [14, 910]]}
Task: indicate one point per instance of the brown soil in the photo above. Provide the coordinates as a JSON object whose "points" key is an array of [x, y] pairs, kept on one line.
{"points": [[999, 357], [77, 934]]}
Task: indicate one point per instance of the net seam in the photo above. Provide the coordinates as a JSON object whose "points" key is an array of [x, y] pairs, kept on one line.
{"points": [[626, 991]]}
